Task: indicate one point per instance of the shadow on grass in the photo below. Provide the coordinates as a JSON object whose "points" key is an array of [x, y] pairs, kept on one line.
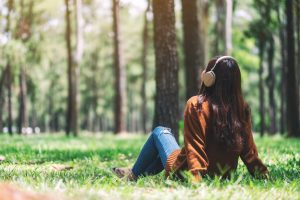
{"points": [[33, 156]]}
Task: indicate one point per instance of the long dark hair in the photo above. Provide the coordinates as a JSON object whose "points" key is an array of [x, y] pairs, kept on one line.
{"points": [[230, 113]]}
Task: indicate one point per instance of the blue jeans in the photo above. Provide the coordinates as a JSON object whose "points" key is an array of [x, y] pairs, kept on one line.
{"points": [[154, 154]]}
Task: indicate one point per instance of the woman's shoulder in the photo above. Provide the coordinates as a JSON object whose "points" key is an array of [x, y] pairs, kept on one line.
{"points": [[192, 101], [198, 104]]}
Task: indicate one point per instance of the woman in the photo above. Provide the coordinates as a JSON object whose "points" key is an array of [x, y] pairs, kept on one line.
{"points": [[217, 131]]}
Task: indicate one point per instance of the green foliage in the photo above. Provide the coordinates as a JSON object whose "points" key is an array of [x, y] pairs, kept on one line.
{"points": [[44, 56], [15, 52], [29, 161]]}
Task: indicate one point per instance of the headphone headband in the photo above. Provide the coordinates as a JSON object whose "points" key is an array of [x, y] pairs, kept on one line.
{"points": [[209, 77], [220, 59]]}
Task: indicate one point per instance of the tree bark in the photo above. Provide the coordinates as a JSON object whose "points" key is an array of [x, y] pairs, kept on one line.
{"points": [[271, 86], [291, 88], [282, 39], [298, 42], [166, 62], [79, 33], [24, 35], [76, 64], [94, 87], [220, 27], [71, 121], [228, 27], [120, 74], [9, 72], [23, 114], [2, 99], [261, 89], [193, 46], [203, 17], [144, 63], [9, 98], [33, 111]]}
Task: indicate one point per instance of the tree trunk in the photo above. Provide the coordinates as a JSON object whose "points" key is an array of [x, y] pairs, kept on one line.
{"points": [[51, 111], [291, 88], [2, 99], [144, 63], [298, 42], [71, 121], [228, 27], [33, 111], [120, 75], [94, 87], [203, 18], [24, 33], [23, 114], [79, 33], [220, 27], [193, 47], [9, 71], [271, 86], [9, 98], [76, 63], [282, 39], [261, 89], [166, 61]]}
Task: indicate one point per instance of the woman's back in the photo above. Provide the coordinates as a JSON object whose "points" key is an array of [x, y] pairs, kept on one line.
{"points": [[217, 131], [202, 153]]}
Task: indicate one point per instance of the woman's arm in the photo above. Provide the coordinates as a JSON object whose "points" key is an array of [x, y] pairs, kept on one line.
{"points": [[249, 154], [194, 140]]}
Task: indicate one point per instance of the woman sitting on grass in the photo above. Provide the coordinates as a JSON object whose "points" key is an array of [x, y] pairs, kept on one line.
{"points": [[217, 131]]}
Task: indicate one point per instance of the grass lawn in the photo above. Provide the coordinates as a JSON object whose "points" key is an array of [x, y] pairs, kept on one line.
{"points": [[30, 159]]}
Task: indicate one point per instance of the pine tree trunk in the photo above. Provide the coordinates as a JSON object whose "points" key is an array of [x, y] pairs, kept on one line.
{"points": [[95, 90], [33, 117], [283, 73], [220, 27], [144, 63], [9, 98], [76, 64], [193, 46], [228, 27], [271, 86], [298, 42], [23, 114], [50, 110], [120, 74], [261, 90], [24, 33], [71, 121], [9, 72], [203, 17], [166, 61], [291, 88], [2, 99]]}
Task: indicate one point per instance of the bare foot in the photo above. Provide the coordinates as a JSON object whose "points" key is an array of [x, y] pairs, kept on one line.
{"points": [[124, 173]]}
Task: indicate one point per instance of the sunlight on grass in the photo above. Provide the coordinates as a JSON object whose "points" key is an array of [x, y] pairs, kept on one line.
{"points": [[29, 162]]}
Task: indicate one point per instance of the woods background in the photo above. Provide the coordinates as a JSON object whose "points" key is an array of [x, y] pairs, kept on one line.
{"points": [[126, 66]]}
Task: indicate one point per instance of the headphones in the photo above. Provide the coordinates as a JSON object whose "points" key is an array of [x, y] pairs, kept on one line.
{"points": [[209, 77]]}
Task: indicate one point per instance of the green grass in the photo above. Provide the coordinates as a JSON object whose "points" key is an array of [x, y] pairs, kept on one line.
{"points": [[29, 160]]}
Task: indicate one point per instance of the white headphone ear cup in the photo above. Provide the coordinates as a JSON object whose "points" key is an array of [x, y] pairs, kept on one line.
{"points": [[209, 78]]}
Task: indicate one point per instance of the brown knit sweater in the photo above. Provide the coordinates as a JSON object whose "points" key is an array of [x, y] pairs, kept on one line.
{"points": [[202, 155]]}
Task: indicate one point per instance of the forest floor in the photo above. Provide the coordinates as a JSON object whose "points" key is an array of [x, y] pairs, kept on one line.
{"points": [[34, 163]]}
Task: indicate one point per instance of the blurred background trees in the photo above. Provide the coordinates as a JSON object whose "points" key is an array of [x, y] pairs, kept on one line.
{"points": [[125, 66]]}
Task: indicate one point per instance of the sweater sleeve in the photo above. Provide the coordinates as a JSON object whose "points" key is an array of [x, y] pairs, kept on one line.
{"points": [[249, 153], [194, 140]]}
